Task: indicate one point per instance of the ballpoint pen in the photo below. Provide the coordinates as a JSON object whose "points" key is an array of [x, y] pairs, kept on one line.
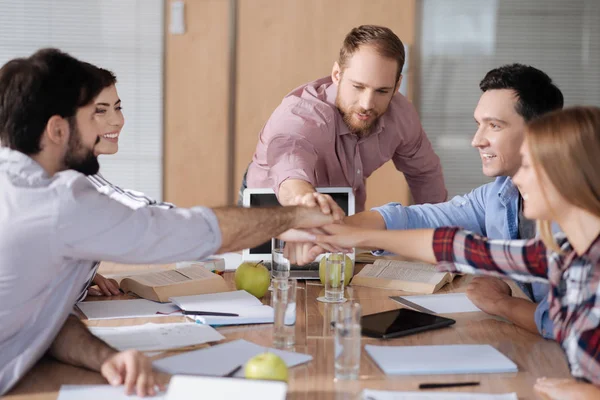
{"points": [[210, 313], [446, 385]]}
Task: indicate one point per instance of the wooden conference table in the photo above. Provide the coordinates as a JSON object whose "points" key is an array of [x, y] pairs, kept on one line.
{"points": [[534, 356]]}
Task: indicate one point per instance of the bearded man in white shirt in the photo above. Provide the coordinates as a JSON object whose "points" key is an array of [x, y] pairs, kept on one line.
{"points": [[54, 224]]}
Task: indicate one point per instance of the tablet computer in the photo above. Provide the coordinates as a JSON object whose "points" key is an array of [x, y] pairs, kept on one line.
{"points": [[401, 322]]}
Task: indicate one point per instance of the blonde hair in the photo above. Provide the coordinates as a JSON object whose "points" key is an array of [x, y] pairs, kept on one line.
{"points": [[565, 145]]}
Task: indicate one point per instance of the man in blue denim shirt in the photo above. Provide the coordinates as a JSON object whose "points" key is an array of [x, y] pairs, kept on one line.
{"points": [[512, 95]]}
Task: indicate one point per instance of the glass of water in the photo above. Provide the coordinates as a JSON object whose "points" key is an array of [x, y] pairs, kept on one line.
{"points": [[284, 307], [280, 266], [347, 341], [334, 277]]}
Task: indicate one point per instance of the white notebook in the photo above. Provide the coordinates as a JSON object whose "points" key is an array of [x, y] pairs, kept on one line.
{"points": [[248, 307], [450, 359], [201, 387], [392, 395], [221, 359], [153, 337], [99, 392], [447, 303], [125, 309]]}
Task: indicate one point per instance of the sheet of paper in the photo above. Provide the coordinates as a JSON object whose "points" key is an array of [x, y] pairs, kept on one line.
{"points": [[124, 309], [220, 359], [402, 270], [369, 394], [444, 303], [99, 392], [232, 260], [448, 359], [199, 387], [248, 307], [221, 302], [152, 337]]}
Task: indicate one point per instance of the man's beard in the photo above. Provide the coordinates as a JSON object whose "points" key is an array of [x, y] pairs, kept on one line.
{"points": [[359, 128], [86, 163]]}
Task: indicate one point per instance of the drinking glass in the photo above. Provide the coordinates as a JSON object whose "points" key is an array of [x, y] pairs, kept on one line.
{"points": [[284, 307], [334, 277], [347, 341], [280, 265]]}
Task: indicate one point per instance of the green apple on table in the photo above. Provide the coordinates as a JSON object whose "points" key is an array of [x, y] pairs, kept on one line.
{"points": [[253, 277], [348, 268], [267, 366]]}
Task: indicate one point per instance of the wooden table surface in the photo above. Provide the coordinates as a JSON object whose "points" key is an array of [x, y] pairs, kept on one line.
{"points": [[534, 356]]}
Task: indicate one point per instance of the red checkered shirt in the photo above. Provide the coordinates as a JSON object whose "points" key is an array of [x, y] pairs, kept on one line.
{"points": [[574, 284]]}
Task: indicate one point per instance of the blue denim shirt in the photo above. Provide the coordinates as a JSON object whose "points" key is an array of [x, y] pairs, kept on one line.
{"points": [[490, 210]]}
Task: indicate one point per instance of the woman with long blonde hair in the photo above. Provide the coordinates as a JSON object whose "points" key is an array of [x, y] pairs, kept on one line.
{"points": [[560, 182]]}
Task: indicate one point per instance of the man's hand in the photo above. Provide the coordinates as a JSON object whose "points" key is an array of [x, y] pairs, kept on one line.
{"points": [[134, 370], [106, 287], [487, 293], [565, 389], [323, 201]]}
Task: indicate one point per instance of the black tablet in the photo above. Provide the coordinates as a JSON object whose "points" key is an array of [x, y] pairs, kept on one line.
{"points": [[401, 322]]}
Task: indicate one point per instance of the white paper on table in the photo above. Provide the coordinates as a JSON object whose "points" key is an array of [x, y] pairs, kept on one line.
{"points": [[248, 307], [445, 359], [99, 392], [221, 359], [124, 309], [369, 394], [232, 260], [444, 303], [151, 337], [201, 387]]}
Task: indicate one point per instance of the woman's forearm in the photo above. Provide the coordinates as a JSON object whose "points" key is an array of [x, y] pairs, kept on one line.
{"points": [[412, 244]]}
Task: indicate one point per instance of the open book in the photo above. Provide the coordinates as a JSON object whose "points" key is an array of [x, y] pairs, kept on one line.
{"points": [[402, 275], [186, 281]]}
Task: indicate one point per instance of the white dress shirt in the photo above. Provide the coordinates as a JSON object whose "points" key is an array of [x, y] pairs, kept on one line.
{"points": [[52, 229]]}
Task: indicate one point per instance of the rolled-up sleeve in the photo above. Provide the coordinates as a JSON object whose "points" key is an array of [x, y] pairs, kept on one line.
{"points": [[542, 319], [291, 157], [92, 226]]}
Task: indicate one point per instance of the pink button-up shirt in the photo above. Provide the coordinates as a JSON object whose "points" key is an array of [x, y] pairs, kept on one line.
{"points": [[306, 138]]}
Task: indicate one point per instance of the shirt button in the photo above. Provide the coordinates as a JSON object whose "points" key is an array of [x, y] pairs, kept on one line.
{"points": [[358, 172]]}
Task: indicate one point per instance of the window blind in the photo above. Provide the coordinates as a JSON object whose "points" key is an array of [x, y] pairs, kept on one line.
{"points": [[461, 40], [124, 36]]}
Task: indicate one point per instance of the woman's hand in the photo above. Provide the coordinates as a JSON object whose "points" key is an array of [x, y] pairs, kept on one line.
{"points": [[565, 389]]}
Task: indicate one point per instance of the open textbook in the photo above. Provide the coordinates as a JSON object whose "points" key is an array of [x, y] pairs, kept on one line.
{"points": [[186, 281], [402, 275]]}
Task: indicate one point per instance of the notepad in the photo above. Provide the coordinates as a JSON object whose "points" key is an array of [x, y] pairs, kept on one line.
{"points": [[392, 395], [197, 387], [99, 392], [450, 359], [152, 337], [248, 307], [124, 309], [443, 303], [220, 359]]}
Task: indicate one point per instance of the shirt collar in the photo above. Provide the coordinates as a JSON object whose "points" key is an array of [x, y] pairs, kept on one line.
{"points": [[20, 164], [342, 128], [508, 191]]}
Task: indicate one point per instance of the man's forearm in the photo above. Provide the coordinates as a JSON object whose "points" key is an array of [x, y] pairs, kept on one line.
{"points": [[291, 188], [75, 345], [520, 312], [242, 228]]}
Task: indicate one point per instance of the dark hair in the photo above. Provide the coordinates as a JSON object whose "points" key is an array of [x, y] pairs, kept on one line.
{"points": [[34, 89], [382, 39], [536, 93], [107, 78]]}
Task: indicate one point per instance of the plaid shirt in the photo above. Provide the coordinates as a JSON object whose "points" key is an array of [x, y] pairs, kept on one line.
{"points": [[574, 284]]}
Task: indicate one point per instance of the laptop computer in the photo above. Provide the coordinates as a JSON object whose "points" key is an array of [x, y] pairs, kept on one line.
{"points": [[343, 196]]}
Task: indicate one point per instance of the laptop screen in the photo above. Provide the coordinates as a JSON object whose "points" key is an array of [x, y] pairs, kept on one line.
{"points": [[343, 197]]}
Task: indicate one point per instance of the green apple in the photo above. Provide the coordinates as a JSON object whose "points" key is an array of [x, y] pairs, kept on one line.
{"points": [[348, 270], [253, 277], [268, 366]]}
